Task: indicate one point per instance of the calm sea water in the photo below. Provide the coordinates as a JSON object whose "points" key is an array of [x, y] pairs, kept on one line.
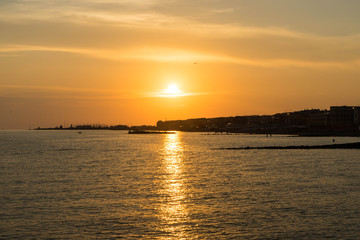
{"points": [[108, 184]]}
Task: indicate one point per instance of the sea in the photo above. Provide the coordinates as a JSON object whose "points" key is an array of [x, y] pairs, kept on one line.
{"points": [[103, 184]]}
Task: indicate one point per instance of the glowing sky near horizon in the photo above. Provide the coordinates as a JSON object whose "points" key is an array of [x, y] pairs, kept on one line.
{"points": [[108, 61]]}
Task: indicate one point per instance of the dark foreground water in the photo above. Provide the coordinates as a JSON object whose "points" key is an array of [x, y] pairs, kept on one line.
{"points": [[108, 184]]}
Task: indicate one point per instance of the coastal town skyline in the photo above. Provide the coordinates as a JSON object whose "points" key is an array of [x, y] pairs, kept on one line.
{"points": [[336, 121], [136, 62]]}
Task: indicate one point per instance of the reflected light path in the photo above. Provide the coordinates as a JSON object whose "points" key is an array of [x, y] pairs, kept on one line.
{"points": [[173, 213]]}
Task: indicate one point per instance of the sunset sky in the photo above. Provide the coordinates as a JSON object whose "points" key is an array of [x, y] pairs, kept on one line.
{"points": [[111, 62]]}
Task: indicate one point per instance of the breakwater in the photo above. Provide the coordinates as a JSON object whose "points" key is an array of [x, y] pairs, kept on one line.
{"points": [[355, 145]]}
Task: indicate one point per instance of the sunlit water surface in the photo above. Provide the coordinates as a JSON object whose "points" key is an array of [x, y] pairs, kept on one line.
{"points": [[109, 184]]}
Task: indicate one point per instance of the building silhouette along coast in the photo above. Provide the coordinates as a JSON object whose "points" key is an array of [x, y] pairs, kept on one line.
{"points": [[338, 121]]}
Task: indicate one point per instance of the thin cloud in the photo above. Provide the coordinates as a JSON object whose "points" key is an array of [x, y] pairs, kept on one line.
{"points": [[139, 15], [53, 88], [180, 55], [280, 63], [57, 92], [225, 10], [66, 93], [129, 14]]}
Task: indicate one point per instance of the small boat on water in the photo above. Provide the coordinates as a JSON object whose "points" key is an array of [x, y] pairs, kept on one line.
{"points": [[150, 132]]}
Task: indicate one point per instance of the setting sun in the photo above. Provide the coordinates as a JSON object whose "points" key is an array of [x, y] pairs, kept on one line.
{"points": [[173, 90]]}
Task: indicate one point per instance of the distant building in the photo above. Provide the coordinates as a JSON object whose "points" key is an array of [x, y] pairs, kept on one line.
{"points": [[343, 116], [357, 118], [319, 119]]}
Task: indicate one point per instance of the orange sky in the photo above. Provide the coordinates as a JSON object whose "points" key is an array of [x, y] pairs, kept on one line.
{"points": [[108, 61]]}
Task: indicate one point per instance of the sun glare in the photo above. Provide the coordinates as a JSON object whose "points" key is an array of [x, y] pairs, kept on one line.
{"points": [[172, 90]]}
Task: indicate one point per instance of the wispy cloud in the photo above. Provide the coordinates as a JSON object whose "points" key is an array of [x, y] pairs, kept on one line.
{"points": [[224, 10], [143, 18], [141, 15], [279, 63], [181, 55], [58, 92], [134, 14], [66, 93]]}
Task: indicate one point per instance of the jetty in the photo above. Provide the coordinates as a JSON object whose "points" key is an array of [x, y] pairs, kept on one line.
{"points": [[355, 145]]}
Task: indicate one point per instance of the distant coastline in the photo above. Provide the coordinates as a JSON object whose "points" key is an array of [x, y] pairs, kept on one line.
{"points": [[87, 127], [338, 121]]}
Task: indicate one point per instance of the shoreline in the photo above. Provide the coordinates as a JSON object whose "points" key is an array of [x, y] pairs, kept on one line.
{"points": [[206, 132]]}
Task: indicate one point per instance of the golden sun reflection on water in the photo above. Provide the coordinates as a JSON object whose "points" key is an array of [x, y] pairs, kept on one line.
{"points": [[174, 215]]}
